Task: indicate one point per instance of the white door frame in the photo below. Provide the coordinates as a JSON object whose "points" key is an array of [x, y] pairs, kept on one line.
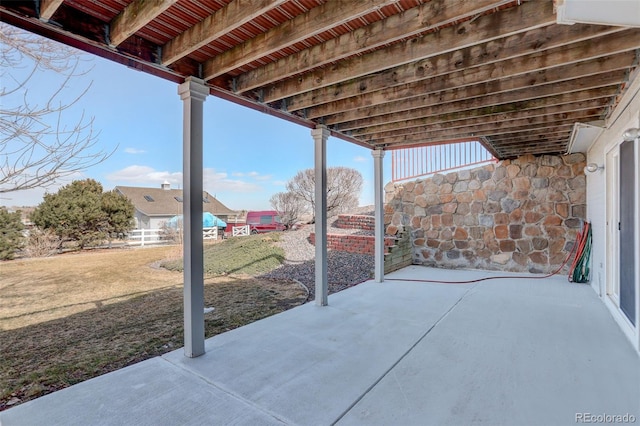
{"points": [[612, 218]]}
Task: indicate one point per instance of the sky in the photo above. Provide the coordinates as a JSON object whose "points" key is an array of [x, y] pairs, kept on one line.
{"points": [[248, 155]]}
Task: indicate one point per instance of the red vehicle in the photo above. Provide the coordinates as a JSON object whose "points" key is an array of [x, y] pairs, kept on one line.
{"points": [[265, 221]]}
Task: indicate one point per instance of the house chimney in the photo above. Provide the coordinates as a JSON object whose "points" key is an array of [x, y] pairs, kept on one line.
{"points": [[166, 185]]}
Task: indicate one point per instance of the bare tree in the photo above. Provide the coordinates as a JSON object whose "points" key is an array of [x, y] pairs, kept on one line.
{"points": [[36, 148], [343, 189], [289, 206]]}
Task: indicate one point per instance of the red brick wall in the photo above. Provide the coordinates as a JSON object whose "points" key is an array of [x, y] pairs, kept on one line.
{"points": [[362, 244], [347, 221]]}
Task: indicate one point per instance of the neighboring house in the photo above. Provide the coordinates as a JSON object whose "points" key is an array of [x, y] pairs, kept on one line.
{"points": [[155, 206]]}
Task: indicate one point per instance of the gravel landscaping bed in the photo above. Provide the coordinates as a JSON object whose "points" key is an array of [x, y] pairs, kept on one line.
{"points": [[343, 269]]}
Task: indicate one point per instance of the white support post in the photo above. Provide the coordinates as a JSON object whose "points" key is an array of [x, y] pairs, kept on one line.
{"points": [[193, 93], [320, 136], [378, 155]]}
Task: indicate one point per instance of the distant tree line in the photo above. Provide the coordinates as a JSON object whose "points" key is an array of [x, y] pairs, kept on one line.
{"points": [[79, 215]]}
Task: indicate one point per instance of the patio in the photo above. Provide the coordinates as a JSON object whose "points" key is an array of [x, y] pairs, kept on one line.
{"points": [[510, 351]]}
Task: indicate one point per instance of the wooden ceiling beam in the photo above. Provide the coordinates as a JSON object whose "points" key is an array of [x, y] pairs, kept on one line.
{"points": [[48, 8], [135, 16], [445, 121], [498, 25], [410, 23], [533, 44], [565, 126], [484, 140], [497, 127], [426, 124], [539, 135], [541, 143], [314, 22], [600, 85], [553, 147], [488, 130], [216, 25], [485, 84], [508, 75]]}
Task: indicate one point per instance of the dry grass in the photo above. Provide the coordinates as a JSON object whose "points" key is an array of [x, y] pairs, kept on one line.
{"points": [[38, 290], [72, 317]]}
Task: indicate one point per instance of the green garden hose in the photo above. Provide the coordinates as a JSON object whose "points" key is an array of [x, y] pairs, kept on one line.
{"points": [[580, 272]]}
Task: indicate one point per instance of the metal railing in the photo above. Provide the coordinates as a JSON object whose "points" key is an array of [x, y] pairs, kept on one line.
{"points": [[409, 163]]}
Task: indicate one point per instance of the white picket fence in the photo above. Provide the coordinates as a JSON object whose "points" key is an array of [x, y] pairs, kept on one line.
{"points": [[240, 231], [145, 237], [210, 233]]}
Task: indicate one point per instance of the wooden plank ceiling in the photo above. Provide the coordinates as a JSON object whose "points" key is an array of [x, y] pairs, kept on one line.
{"points": [[380, 73]]}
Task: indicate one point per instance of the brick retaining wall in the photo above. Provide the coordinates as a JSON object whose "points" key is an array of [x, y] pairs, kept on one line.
{"points": [[361, 244], [349, 221]]}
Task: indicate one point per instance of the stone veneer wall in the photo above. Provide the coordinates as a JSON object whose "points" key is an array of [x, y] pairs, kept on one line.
{"points": [[516, 215]]}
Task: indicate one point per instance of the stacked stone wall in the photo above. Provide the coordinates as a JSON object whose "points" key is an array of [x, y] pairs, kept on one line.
{"points": [[516, 215], [400, 254]]}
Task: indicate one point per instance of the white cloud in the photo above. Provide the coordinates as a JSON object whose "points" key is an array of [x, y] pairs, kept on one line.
{"points": [[144, 176], [213, 181], [218, 182], [254, 175], [360, 159], [134, 151]]}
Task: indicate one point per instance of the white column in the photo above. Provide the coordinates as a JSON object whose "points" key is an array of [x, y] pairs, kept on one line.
{"points": [[378, 155], [193, 93], [320, 136]]}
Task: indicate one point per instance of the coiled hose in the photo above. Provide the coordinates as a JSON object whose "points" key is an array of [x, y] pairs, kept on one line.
{"points": [[580, 271]]}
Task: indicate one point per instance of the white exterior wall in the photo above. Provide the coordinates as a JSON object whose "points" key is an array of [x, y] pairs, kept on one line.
{"points": [[157, 222], [145, 222], [599, 198]]}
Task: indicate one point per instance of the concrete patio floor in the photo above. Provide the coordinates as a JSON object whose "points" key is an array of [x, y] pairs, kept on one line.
{"points": [[510, 351]]}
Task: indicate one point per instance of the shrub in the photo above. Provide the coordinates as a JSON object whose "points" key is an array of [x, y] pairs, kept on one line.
{"points": [[81, 213], [11, 237], [41, 243]]}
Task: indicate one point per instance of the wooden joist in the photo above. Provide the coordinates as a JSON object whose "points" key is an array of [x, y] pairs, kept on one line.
{"points": [[490, 27], [135, 16], [378, 73], [418, 20], [316, 21], [221, 22]]}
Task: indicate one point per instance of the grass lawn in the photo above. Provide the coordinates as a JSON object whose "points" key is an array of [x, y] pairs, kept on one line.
{"points": [[71, 317], [253, 255]]}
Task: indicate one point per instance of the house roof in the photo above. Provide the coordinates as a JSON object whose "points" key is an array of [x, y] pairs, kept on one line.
{"points": [[379, 73], [167, 202]]}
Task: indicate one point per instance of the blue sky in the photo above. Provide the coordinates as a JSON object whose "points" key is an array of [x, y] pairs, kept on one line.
{"points": [[248, 156]]}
